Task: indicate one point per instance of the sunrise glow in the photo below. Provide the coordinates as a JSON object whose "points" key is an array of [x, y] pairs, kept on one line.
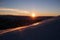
{"points": [[33, 15]]}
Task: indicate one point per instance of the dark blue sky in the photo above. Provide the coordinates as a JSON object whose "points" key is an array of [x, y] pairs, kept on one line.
{"points": [[43, 6]]}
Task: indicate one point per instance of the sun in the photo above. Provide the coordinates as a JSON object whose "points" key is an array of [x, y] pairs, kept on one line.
{"points": [[33, 15]]}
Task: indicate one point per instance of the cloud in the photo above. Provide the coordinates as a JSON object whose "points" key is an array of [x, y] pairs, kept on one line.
{"points": [[10, 11], [16, 10]]}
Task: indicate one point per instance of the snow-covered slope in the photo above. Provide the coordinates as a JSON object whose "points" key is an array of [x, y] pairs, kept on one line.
{"points": [[45, 30]]}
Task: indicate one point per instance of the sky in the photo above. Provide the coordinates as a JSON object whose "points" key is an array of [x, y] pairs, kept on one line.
{"points": [[27, 7]]}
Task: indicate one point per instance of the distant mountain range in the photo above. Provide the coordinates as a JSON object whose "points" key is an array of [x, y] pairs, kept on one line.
{"points": [[10, 21]]}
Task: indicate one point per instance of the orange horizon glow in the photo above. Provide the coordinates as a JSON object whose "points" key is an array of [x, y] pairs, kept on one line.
{"points": [[25, 13]]}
